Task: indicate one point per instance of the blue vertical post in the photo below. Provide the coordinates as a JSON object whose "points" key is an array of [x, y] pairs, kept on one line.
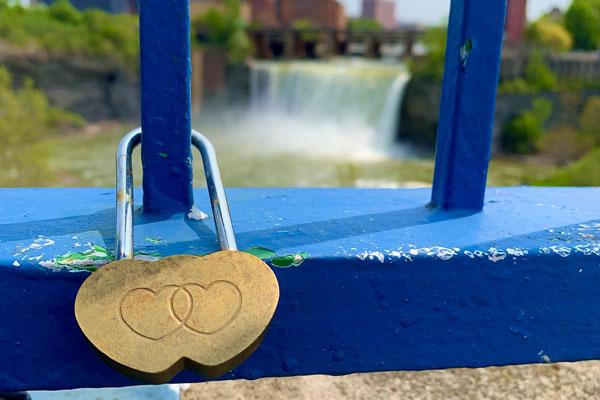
{"points": [[473, 50], [165, 64]]}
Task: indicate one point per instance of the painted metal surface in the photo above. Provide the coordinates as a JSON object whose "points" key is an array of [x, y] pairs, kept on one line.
{"points": [[371, 280], [124, 193], [165, 64], [466, 118]]}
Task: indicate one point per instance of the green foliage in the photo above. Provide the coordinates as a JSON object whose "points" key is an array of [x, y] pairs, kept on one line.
{"points": [[25, 119], [537, 77], [582, 20], [583, 172], [431, 67], [63, 10], [523, 134], [63, 30], [549, 35], [224, 27], [363, 24]]}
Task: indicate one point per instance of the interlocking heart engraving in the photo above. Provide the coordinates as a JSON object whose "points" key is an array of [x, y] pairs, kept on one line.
{"points": [[153, 319], [204, 310]]}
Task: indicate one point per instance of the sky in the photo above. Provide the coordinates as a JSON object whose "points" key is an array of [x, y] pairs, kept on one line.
{"points": [[436, 11]]}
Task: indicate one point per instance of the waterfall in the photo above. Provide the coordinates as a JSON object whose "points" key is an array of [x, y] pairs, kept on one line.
{"points": [[346, 107]]}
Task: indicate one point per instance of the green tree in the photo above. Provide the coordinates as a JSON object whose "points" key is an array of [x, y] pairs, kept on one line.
{"points": [[65, 31], [582, 20], [431, 67], [549, 35], [224, 27], [63, 10], [523, 134]]}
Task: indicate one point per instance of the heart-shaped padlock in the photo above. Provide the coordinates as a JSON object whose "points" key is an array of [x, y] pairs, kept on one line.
{"points": [[150, 320]]}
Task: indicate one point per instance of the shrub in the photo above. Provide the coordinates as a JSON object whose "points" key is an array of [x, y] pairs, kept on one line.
{"points": [[538, 74], [589, 119], [523, 134]]}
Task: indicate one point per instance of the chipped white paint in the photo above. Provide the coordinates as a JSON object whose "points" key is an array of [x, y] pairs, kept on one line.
{"points": [[196, 214], [588, 249], [372, 256], [16, 263], [562, 251], [495, 255], [517, 252], [37, 244]]}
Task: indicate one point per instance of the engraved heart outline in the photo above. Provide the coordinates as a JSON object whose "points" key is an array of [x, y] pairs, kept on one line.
{"points": [[206, 289], [183, 322]]}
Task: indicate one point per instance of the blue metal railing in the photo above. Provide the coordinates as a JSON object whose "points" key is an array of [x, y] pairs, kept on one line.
{"points": [[475, 34], [165, 69], [473, 50]]}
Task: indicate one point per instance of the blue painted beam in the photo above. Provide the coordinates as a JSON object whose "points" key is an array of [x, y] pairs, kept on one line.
{"points": [[464, 137], [165, 63], [371, 280]]}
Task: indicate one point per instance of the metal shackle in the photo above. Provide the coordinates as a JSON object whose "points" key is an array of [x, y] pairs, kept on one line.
{"points": [[214, 183]]}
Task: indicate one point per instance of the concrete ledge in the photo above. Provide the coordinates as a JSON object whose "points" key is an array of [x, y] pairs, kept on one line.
{"points": [[371, 280]]}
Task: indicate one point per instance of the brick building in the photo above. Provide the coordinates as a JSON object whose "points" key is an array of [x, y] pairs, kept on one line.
{"points": [[265, 13], [383, 11], [516, 20], [322, 13]]}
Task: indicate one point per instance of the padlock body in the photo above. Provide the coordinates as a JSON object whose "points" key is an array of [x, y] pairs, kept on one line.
{"points": [[150, 320]]}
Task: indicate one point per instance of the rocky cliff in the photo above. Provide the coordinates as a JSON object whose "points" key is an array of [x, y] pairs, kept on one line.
{"points": [[95, 90]]}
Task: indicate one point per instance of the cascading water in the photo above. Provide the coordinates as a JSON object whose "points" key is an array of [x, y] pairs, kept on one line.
{"points": [[343, 108]]}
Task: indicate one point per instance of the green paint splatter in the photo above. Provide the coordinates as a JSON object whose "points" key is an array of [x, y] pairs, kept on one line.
{"points": [[291, 260], [261, 252], [287, 261], [85, 260], [164, 155]]}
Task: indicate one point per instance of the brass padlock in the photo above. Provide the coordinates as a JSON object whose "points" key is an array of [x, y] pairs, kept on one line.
{"points": [[150, 320]]}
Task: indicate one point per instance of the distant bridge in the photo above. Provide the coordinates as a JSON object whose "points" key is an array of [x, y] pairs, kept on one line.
{"points": [[294, 43]]}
